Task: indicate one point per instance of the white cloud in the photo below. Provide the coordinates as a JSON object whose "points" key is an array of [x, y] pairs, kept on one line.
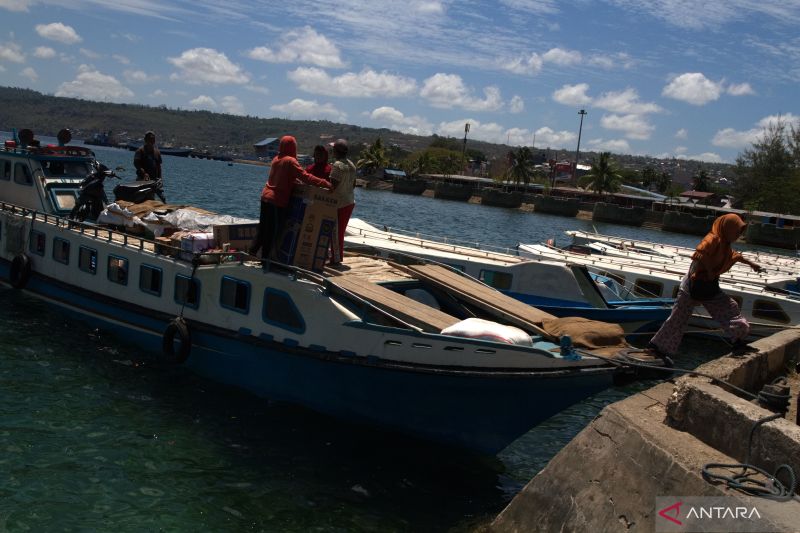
{"points": [[448, 90], [89, 53], [367, 83], [693, 88], [205, 65], [303, 45], [634, 126], [12, 52], [310, 109], [682, 134], [138, 76], [232, 105], [517, 104], [15, 5], [44, 52], [489, 132], [619, 146], [572, 94], [559, 56], [428, 7], [708, 157], [158, 93], [740, 89], [393, 119], [626, 101], [91, 84], [257, 89], [714, 13], [681, 150], [58, 32], [203, 102], [525, 65], [731, 138], [29, 73], [121, 59], [557, 139]]}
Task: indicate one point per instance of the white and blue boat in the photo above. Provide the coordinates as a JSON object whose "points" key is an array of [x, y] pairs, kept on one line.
{"points": [[559, 288], [355, 342]]}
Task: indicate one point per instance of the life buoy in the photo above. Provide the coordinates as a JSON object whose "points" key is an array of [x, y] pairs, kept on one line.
{"points": [[177, 330], [20, 271]]}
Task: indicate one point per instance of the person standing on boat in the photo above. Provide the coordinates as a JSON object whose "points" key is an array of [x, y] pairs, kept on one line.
{"points": [[343, 178], [283, 173], [712, 257], [147, 160], [320, 167]]}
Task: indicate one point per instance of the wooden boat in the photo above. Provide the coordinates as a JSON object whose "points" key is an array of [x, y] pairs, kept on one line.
{"points": [[355, 342]]}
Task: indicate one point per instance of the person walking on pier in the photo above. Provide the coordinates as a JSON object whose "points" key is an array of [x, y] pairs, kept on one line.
{"points": [[147, 160], [343, 178], [712, 257], [283, 173]]}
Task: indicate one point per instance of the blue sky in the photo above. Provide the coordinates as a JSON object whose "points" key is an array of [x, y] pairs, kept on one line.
{"points": [[665, 78]]}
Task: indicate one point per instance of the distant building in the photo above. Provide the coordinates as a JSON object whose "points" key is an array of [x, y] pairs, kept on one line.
{"points": [[705, 198], [268, 148]]}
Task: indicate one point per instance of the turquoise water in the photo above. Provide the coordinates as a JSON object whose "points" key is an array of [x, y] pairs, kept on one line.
{"points": [[97, 436]]}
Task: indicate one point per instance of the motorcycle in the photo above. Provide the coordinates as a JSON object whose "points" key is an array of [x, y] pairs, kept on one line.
{"points": [[92, 197]]}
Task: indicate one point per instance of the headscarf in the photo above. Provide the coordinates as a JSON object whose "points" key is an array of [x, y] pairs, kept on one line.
{"points": [[714, 252], [287, 147]]}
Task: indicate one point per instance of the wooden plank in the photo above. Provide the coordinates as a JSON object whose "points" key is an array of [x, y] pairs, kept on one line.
{"points": [[515, 312], [408, 310]]}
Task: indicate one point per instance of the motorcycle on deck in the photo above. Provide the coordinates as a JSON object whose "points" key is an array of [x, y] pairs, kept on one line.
{"points": [[92, 196]]}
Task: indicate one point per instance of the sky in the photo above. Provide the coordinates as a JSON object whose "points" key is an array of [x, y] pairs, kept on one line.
{"points": [[665, 78]]}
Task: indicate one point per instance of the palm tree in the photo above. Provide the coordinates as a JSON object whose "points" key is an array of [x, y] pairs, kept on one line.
{"points": [[521, 165], [373, 158], [603, 175], [701, 181]]}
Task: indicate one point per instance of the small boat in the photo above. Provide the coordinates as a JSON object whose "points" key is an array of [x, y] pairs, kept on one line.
{"points": [[557, 288], [370, 341]]}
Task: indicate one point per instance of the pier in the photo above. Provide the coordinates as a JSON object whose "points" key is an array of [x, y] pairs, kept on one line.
{"points": [[657, 443]]}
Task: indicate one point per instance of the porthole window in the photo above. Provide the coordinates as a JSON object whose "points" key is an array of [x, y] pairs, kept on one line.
{"points": [[22, 174], [61, 250], [37, 244], [117, 269], [770, 311], [234, 294], [648, 288], [187, 291], [87, 260], [498, 280], [150, 280], [279, 310]]}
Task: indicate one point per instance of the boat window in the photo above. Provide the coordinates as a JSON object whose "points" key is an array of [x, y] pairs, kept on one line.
{"points": [[22, 174], [61, 250], [64, 199], [150, 280], [648, 288], [616, 277], [498, 280], [87, 260], [37, 243], [279, 310], [770, 311], [234, 294], [460, 268], [118, 269], [187, 291], [5, 170]]}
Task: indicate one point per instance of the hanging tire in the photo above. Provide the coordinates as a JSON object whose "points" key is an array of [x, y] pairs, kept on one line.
{"points": [[177, 331], [20, 271]]}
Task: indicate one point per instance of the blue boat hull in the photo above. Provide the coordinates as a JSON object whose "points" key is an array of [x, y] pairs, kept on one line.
{"points": [[480, 410]]}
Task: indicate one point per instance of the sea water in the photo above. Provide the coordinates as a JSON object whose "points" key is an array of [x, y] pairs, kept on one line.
{"points": [[96, 435]]}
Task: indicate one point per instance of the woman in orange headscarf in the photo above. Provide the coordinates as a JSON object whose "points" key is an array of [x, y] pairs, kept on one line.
{"points": [[283, 174], [712, 257]]}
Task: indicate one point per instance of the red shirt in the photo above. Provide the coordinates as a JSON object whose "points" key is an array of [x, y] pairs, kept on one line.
{"points": [[284, 173], [320, 171]]}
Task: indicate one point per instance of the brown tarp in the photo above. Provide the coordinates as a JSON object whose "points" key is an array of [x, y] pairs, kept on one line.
{"points": [[586, 333]]}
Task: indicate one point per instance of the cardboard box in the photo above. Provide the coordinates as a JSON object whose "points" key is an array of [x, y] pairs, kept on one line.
{"points": [[164, 246], [237, 236], [310, 229], [195, 242]]}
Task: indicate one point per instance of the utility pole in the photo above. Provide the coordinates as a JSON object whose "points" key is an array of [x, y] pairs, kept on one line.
{"points": [[582, 113], [464, 150]]}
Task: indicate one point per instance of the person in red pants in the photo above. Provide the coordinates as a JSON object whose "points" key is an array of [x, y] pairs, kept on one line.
{"points": [[343, 179]]}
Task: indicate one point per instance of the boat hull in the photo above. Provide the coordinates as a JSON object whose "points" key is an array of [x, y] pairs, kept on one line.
{"points": [[480, 410]]}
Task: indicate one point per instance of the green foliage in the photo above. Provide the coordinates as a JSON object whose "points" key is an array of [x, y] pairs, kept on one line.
{"points": [[520, 165], [373, 158], [768, 174], [603, 176], [701, 182], [433, 161], [649, 176], [663, 182]]}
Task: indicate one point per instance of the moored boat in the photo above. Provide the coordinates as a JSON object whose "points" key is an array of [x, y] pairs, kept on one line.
{"points": [[355, 342]]}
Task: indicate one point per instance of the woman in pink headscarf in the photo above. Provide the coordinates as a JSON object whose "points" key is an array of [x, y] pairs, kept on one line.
{"points": [[712, 257], [283, 174]]}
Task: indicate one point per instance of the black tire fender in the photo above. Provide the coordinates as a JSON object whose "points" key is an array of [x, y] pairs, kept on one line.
{"points": [[20, 271], [177, 329]]}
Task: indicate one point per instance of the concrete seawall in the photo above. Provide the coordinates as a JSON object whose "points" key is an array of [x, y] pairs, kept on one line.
{"points": [[656, 442]]}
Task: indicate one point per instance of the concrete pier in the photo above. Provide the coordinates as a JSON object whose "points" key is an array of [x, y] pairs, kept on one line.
{"points": [[655, 443]]}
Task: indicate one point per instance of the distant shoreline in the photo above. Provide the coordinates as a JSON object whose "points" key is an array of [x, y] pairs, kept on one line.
{"points": [[251, 162]]}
